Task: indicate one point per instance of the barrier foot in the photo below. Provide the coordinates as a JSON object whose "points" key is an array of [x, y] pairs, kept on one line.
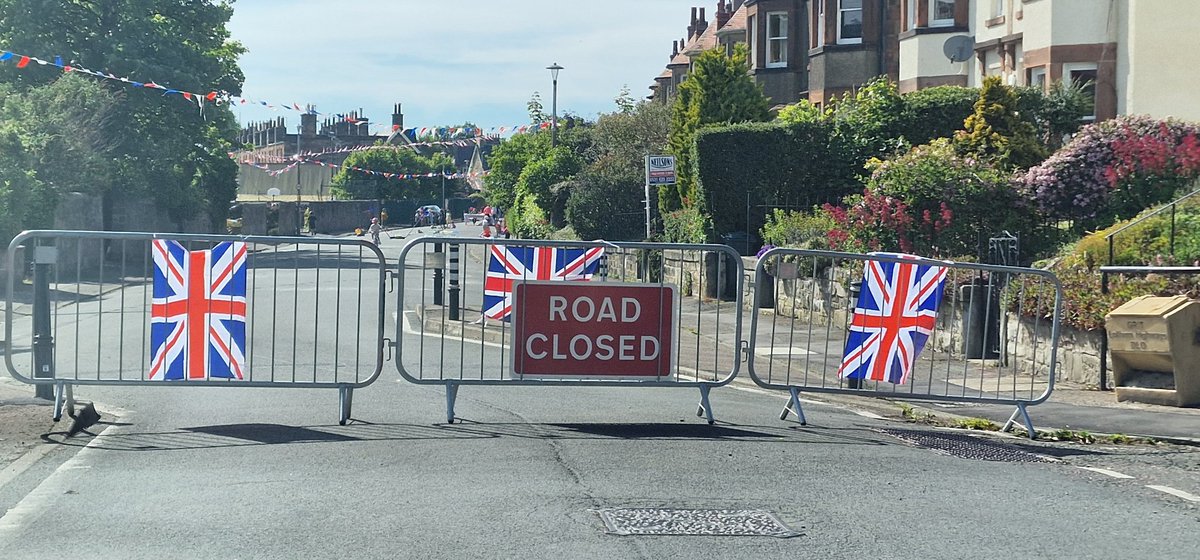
{"points": [[1012, 420], [345, 400], [705, 408], [451, 395], [794, 407], [70, 400]]}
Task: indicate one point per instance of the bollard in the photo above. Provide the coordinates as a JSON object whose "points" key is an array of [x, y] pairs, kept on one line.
{"points": [[438, 275], [43, 340], [855, 290], [454, 309]]}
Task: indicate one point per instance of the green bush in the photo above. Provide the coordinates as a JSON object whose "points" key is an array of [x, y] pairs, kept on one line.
{"points": [[688, 225], [1148, 242], [798, 230], [951, 200], [936, 112], [606, 206], [770, 165]]}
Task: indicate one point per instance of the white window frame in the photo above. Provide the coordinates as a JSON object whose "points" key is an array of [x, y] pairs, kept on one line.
{"points": [[911, 14], [841, 13], [754, 42], [997, 9], [1071, 67], [820, 34], [945, 22], [1037, 72], [783, 19]]}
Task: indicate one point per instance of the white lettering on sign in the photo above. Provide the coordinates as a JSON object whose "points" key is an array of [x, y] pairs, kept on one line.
{"points": [[581, 347], [583, 310]]}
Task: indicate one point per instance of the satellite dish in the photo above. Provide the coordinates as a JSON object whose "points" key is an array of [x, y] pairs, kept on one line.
{"points": [[959, 48], [273, 191]]}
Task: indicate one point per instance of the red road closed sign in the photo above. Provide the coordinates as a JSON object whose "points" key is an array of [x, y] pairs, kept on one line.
{"points": [[593, 330]]}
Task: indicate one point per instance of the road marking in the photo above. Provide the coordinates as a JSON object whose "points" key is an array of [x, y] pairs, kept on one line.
{"points": [[36, 502], [866, 414], [1174, 492], [1106, 472]]}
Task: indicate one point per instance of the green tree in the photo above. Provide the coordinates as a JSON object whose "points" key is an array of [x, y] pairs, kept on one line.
{"points": [[995, 131], [538, 207], [353, 184], [537, 112], [624, 100], [719, 90], [161, 148], [507, 162]]}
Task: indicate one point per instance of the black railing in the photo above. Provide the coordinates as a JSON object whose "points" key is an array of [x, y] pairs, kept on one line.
{"points": [[1169, 207]]}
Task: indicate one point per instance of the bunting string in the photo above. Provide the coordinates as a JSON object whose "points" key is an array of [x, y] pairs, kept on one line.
{"points": [[217, 97], [251, 158]]}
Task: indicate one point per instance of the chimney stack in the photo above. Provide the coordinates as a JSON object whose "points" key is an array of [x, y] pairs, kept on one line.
{"points": [[691, 30], [397, 118], [674, 49], [722, 14], [308, 122], [702, 23]]}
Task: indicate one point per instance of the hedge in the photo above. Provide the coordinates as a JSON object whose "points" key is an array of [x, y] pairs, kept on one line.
{"points": [[798, 165]]}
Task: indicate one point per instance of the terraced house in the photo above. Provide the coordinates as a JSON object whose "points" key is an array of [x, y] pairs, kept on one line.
{"points": [[1129, 54]]}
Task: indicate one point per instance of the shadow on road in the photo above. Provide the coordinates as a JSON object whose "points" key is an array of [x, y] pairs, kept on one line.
{"points": [[253, 434]]}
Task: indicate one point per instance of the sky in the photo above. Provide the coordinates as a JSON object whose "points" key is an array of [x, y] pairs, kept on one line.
{"points": [[451, 61]]}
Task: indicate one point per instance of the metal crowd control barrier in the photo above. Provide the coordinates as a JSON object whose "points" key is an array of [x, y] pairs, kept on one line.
{"points": [[978, 347], [440, 345], [306, 312]]}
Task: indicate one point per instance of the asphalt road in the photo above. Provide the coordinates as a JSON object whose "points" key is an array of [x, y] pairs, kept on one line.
{"points": [[266, 473]]}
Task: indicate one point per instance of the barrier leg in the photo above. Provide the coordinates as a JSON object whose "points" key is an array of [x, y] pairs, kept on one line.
{"points": [[70, 400], [1024, 420], [451, 395], [705, 408], [345, 401], [794, 407], [60, 395]]}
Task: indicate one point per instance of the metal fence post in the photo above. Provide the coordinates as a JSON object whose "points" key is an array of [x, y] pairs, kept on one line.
{"points": [[855, 290], [438, 295], [454, 308], [43, 339]]}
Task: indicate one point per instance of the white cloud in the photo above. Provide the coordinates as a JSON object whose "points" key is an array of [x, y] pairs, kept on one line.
{"points": [[450, 61]]}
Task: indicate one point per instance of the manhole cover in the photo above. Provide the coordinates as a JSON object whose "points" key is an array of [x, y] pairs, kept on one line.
{"points": [[965, 446], [705, 522]]}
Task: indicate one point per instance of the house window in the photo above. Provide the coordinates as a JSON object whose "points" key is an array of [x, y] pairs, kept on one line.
{"points": [[850, 24], [819, 32], [777, 39], [1083, 76], [1037, 78], [997, 8], [910, 15], [941, 13], [754, 42]]}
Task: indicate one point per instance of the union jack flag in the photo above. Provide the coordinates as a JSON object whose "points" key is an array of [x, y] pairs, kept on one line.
{"points": [[507, 264], [893, 318], [198, 313]]}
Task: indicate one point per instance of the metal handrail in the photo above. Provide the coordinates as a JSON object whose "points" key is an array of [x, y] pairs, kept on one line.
{"points": [[1170, 205]]}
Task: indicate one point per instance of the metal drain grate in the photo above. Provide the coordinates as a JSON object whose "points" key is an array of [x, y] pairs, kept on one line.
{"points": [[694, 522], [965, 446]]}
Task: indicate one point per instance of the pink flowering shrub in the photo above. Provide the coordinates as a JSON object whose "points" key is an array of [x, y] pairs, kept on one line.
{"points": [[1113, 170]]}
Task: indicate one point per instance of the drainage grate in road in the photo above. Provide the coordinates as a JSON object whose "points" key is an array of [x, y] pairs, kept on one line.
{"points": [[965, 446], [694, 522]]}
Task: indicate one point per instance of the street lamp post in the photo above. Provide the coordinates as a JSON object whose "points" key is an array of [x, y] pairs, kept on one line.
{"points": [[554, 68]]}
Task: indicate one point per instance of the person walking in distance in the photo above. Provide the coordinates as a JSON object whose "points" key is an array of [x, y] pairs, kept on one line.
{"points": [[374, 230]]}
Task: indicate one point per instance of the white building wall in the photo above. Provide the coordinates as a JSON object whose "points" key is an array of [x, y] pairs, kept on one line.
{"points": [[923, 55], [1156, 69], [1079, 22]]}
